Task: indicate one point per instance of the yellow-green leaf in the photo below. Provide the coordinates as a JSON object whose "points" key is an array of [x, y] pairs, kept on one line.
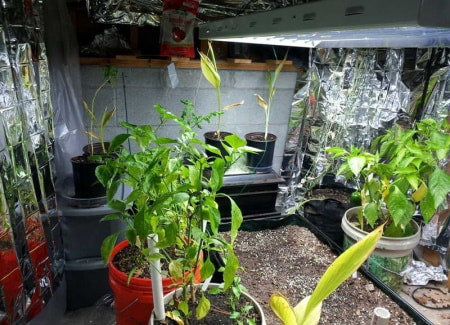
{"points": [[281, 307], [89, 111], [344, 266], [209, 70], [202, 308], [175, 318], [312, 318], [420, 193], [176, 269], [107, 116], [233, 105], [261, 102], [93, 135]]}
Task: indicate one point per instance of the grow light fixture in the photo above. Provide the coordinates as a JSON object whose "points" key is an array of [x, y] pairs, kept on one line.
{"points": [[341, 23]]}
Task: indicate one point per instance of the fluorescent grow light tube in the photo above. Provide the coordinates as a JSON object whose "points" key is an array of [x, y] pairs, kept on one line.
{"points": [[341, 23]]}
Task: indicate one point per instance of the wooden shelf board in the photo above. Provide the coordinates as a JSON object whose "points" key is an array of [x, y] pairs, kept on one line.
{"points": [[131, 61]]}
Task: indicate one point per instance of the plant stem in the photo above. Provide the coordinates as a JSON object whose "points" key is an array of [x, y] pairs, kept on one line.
{"points": [[219, 118]]}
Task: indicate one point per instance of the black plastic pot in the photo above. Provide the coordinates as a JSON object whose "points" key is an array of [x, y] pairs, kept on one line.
{"points": [[260, 162], [85, 182], [212, 139], [95, 149]]}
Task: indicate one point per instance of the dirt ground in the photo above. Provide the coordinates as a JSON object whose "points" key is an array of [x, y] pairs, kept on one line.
{"points": [[291, 260]]}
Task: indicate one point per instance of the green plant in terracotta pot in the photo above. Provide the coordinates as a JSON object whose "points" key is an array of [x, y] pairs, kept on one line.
{"points": [[401, 173], [264, 141], [173, 190], [209, 69]]}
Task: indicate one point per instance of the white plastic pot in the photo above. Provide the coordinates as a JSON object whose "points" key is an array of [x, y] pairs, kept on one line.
{"points": [[168, 297], [391, 256], [386, 246]]}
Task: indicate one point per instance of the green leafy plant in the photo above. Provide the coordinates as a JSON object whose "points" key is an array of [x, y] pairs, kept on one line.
{"points": [[401, 171], [174, 186], [271, 89], [110, 75], [210, 72], [308, 311]]}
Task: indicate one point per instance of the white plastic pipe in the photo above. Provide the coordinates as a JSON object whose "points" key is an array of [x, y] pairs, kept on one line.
{"points": [[381, 316], [157, 288]]}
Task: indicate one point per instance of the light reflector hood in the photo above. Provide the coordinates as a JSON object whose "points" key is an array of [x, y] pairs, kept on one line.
{"points": [[341, 23]]}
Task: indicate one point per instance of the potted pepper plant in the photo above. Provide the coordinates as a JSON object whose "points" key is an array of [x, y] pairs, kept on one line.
{"points": [[209, 69], [85, 182], [264, 141], [173, 190], [401, 173]]}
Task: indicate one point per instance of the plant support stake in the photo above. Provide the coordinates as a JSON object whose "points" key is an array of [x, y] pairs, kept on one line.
{"points": [[155, 272]]}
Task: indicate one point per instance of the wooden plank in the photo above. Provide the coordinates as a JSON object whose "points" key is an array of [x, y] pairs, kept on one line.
{"points": [[131, 61], [247, 61]]}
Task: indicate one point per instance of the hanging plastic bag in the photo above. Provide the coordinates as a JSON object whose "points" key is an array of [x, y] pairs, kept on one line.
{"points": [[177, 28]]}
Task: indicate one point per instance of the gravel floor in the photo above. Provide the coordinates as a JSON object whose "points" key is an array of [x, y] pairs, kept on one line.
{"points": [[290, 260]]}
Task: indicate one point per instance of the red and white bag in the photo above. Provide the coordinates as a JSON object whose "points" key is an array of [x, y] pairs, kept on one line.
{"points": [[177, 28]]}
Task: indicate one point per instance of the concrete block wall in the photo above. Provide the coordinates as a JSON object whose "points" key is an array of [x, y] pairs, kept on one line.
{"points": [[137, 90]]}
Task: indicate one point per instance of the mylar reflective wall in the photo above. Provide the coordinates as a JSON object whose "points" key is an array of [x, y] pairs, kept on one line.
{"points": [[30, 251]]}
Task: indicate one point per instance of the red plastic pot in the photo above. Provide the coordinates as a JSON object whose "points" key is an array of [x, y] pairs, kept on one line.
{"points": [[133, 302], [11, 281]]}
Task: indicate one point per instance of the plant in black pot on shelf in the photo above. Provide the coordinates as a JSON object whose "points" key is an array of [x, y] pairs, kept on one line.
{"points": [[173, 190], [401, 173], [264, 141], [210, 72], [85, 182]]}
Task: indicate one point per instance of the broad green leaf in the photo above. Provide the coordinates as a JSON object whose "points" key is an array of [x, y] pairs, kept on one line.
{"points": [[231, 266], [213, 149], [180, 197], [312, 318], [202, 308], [207, 269], [209, 70], [112, 189], [142, 224], [420, 193], [356, 164], [261, 102], [104, 174], [439, 186], [281, 307], [110, 217], [413, 180], [234, 141], [130, 235], [337, 151], [217, 172], [344, 266], [118, 205], [176, 269], [236, 220], [371, 213], [183, 307], [427, 207], [398, 205], [107, 246], [165, 141]]}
